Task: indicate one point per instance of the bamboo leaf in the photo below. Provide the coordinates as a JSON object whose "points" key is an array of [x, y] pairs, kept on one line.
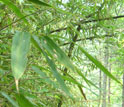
{"points": [[12, 101], [48, 5], [40, 3], [85, 79], [72, 80], [15, 9], [54, 50], [44, 76], [98, 64], [23, 102], [58, 77], [20, 48]]}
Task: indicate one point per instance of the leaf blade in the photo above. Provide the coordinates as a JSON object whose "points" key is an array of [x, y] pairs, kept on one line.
{"points": [[23, 101], [52, 48], [99, 65], [15, 9], [36, 42], [43, 74], [9, 99], [40, 3], [19, 50]]}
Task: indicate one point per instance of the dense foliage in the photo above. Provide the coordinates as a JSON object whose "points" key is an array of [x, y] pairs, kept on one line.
{"points": [[61, 53]]}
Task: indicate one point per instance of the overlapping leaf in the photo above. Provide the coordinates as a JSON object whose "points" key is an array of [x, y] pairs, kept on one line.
{"points": [[54, 50], [44, 76], [58, 77]]}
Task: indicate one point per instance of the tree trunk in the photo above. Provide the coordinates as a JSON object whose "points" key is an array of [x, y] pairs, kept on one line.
{"points": [[100, 81], [104, 90], [109, 88], [100, 86], [105, 78]]}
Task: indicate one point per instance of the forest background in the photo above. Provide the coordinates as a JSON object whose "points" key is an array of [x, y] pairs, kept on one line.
{"points": [[62, 53]]}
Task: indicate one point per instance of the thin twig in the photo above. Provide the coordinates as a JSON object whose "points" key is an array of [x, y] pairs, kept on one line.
{"points": [[88, 38]]}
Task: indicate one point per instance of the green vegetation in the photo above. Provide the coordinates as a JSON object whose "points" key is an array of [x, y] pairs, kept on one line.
{"points": [[61, 53]]}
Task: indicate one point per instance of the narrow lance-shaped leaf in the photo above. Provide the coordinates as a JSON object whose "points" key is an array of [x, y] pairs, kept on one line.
{"points": [[72, 80], [40, 3], [23, 102], [54, 50], [20, 48], [98, 64], [14, 8], [58, 77], [48, 5], [44, 76], [12, 101], [85, 79]]}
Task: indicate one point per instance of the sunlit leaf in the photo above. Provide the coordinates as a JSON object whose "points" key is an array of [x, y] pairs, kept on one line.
{"points": [[85, 79], [20, 48], [98, 64], [58, 77], [40, 3], [72, 80], [54, 50], [48, 5]]}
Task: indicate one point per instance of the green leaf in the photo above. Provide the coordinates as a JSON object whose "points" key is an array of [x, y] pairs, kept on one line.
{"points": [[98, 64], [54, 50], [40, 3], [45, 4], [72, 80], [44, 76], [23, 102], [12, 101], [20, 48], [58, 77], [85, 79], [15, 9]]}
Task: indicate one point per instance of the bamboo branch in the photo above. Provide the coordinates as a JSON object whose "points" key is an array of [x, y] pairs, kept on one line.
{"points": [[88, 38], [89, 21]]}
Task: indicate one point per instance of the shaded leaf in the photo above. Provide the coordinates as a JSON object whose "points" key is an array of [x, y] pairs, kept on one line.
{"points": [[44, 76], [14, 8], [23, 102], [12, 101]]}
